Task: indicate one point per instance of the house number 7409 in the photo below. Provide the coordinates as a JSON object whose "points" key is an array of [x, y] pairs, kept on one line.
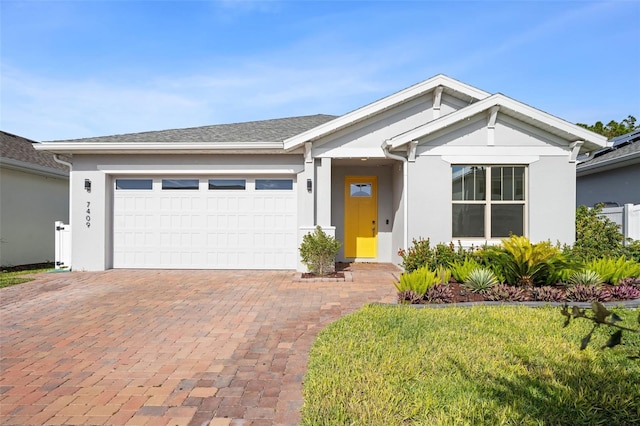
{"points": [[88, 217]]}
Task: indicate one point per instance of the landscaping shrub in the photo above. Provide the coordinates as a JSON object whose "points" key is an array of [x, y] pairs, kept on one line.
{"points": [[418, 281], [524, 263], [461, 270], [596, 234], [585, 277], [421, 254], [587, 293], [548, 294], [613, 270], [439, 293], [443, 274], [409, 296], [506, 293], [318, 252], [625, 292], [480, 280]]}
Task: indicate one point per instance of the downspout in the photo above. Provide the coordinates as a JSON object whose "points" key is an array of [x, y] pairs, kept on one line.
{"points": [[57, 159], [405, 184]]}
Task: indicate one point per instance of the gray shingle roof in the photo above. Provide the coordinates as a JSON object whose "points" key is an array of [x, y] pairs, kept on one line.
{"points": [[275, 130], [624, 146], [21, 149]]}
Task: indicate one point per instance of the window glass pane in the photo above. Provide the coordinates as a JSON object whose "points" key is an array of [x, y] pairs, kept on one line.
{"points": [[496, 183], [360, 189], [233, 184], [518, 183], [480, 183], [274, 184], [180, 183], [468, 220], [134, 184], [456, 181], [507, 219]]}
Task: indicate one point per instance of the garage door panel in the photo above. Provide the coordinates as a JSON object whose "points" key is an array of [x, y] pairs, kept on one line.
{"points": [[217, 229]]}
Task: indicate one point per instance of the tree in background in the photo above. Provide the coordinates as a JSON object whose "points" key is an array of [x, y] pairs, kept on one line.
{"points": [[614, 128]]}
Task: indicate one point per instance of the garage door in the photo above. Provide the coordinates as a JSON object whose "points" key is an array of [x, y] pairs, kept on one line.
{"points": [[205, 223]]}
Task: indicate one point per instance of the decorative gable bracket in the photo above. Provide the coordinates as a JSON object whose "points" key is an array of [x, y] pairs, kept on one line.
{"points": [[411, 151], [575, 150], [491, 125]]}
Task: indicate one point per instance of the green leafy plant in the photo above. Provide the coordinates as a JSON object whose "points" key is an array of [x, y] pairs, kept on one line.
{"points": [[444, 274], [422, 254], [613, 270], [461, 269], [585, 277], [418, 281], [318, 251], [600, 315], [524, 263], [596, 234], [480, 280]]}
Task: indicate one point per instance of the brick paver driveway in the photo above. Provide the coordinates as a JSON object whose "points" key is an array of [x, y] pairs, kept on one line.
{"points": [[167, 347]]}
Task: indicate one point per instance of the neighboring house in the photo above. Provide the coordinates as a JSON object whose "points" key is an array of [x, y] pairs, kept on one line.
{"points": [[611, 175], [439, 160], [34, 193]]}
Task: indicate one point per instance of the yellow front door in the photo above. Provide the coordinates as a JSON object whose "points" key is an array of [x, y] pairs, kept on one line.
{"points": [[361, 217]]}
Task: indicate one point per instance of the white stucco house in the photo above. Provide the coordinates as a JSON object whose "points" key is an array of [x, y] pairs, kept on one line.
{"points": [[34, 193], [440, 160]]}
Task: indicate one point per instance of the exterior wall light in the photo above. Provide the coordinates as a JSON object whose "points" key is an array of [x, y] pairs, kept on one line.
{"points": [[87, 185], [309, 185]]}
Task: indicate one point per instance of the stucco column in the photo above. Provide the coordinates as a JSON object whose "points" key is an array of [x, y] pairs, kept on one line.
{"points": [[323, 192]]}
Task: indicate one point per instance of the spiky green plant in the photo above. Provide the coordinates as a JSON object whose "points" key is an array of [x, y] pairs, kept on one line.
{"points": [[444, 274], [524, 263], [461, 270], [480, 280], [585, 277], [613, 270], [418, 281]]}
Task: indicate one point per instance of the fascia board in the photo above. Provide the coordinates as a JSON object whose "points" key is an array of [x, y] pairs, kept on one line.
{"points": [[595, 141], [23, 166], [382, 105], [158, 148]]}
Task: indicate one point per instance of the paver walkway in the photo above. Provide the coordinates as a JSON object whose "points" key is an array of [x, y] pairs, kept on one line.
{"points": [[167, 347]]}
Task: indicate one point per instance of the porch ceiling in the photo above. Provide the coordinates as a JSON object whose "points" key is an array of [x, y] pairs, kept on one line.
{"points": [[367, 162]]}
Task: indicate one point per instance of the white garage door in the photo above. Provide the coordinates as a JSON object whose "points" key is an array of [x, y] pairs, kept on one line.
{"points": [[205, 223]]}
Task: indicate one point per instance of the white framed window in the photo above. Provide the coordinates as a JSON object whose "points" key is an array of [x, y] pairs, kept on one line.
{"points": [[134, 184], [488, 202], [274, 184]]}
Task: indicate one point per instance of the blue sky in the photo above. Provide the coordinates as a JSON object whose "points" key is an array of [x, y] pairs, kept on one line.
{"points": [[73, 69]]}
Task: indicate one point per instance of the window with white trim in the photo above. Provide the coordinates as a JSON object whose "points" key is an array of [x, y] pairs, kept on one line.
{"points": [[488, 202]]}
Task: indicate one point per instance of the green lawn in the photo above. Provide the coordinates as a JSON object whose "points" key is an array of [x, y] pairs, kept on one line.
{"points": [[12, 278], [395, 365]]}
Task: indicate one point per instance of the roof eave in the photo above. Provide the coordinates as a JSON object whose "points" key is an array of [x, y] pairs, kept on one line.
{"points": [[612, 163], [573, 132], [23, 166], [382, 105], [160, 148]]}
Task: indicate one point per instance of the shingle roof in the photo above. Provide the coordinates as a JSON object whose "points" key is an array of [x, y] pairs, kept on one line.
{"points": [[623, 146], [21, 149], [275, 130]]}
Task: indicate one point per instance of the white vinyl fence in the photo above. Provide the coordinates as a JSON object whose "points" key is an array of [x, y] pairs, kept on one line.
{"points": [[628, 217], [63, 246]]}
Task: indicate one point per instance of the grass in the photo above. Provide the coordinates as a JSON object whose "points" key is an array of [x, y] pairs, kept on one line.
{"points": [[8, 279], [395, 365]]}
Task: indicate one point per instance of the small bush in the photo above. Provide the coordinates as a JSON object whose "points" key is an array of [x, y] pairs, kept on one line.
{"points": [[461, 270], [417, 256], [409, 296], [596, 234], [506, 293], [613, 270], [625, 292], [635, 282], [443, 274], [587, 293], [585, 277], [480, 280], [548, 294], [439, 293], [418, 281], [318, 252]]}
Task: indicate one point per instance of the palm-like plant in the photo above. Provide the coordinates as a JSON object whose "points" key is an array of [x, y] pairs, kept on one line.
{"points": [[480, 280], [524, 263]]}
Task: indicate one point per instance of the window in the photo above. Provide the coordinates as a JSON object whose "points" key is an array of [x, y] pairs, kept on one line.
{"points": [[488, 201], [228, 184], [360, 190], [180, 183], [274, 184], [134, 184]]}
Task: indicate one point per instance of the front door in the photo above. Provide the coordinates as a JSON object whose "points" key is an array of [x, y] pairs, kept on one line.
{"points": [[361, 217]]}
